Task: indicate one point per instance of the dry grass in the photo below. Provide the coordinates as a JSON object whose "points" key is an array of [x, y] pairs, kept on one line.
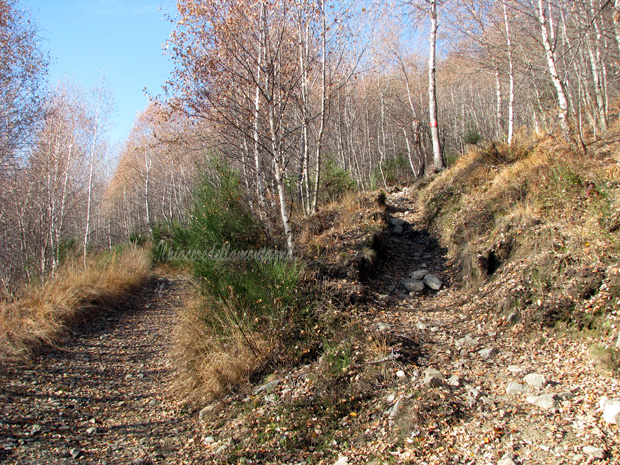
{"points": [[538, 208], [42, 314], [214, 353]]}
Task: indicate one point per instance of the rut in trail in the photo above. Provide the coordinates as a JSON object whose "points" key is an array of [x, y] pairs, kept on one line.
{"points": [[104, 396]]}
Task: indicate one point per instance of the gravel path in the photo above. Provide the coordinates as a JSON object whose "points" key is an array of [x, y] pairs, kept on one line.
{"points": [[105, 396]]}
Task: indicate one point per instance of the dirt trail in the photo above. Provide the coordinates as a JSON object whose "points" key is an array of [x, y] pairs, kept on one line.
{"points": [[470, 418], [104, 397]]}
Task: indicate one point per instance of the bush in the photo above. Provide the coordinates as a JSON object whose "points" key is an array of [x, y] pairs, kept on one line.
{"points": [[247, 306], [335, 182]]}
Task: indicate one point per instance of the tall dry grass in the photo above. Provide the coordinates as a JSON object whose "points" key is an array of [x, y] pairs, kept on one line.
{"points": [[42, 314]]}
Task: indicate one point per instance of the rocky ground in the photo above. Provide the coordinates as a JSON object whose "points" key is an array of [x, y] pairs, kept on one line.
{"points": [[465, 383]]}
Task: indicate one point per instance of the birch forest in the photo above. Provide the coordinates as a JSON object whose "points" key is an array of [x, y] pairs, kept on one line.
{"points": [[302, 98]]}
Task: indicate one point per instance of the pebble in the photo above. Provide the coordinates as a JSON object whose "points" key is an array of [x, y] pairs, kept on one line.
{"points": [[342, 460], [400, 374], [515, 388], [535, 380], [611, 410], [594, 452], [465, 341], [514, 369], [398, 229], [432, 372], [432, 381], [507, 461], [454, 381], [92, 430], [267, 386], [75, 452], [545, 401], [488, 353]]}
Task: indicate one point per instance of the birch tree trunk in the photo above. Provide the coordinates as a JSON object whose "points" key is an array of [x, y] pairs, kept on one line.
{"points": [[511, 75], [438, 160], [541, 16]]}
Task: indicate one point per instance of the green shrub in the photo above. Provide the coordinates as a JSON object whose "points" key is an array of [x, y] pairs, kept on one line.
{"points": [[248, 306], [335, 182]]}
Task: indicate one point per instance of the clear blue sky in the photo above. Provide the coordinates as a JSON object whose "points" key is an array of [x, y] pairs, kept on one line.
{"points": [[120, 40]]}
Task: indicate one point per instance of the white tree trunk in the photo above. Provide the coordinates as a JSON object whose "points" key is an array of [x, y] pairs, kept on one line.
{"points": [[541, 16], [432, 97], [511, 75]]}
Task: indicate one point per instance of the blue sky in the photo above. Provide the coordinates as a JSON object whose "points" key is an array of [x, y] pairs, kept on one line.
{"points": [[119, 40]]}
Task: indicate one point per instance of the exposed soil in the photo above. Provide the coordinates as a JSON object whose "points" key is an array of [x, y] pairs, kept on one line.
{"points": [[106, 396]]}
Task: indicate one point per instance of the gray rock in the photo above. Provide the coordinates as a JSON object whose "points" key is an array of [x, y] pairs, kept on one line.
{"points": [[562, 396], [488, 353], [515, 370], [535, 380], [429, 372], [421, 326], [397, 222], [595, 452], [92, 430], [611, 410], [432, 381], [419, 274], [412, 285], [342, 460], [395, 409], [454, 381], [473, 393], [432, 282], [515, 388], [75, 452], [465, 341], [545, 401], [507, 461], [267, 387], [398, 229]]}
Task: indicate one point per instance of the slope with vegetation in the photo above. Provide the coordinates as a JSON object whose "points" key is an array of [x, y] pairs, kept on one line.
{"points": [[524, 238]]}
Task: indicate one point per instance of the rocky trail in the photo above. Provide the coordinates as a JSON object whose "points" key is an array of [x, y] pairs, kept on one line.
{"points": [[473, 384], [486, 388], [104, 396]]}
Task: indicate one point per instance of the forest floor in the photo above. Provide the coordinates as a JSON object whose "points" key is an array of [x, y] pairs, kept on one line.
{"points": [[106, 397]]}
